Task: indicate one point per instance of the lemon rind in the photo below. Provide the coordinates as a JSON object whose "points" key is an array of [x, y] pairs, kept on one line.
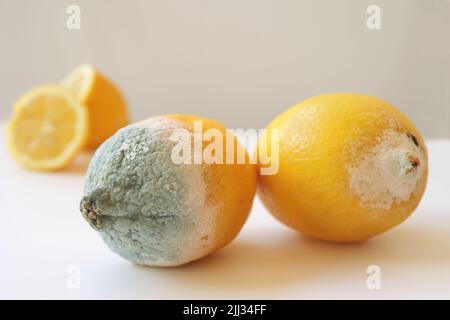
{"points": [[88, 73]]}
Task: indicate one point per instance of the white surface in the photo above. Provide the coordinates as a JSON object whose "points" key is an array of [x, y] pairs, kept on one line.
{"points": [[42, 237]]}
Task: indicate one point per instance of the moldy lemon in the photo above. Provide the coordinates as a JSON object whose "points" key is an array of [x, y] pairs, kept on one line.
{"points": [[154, 212], [351, 167]]}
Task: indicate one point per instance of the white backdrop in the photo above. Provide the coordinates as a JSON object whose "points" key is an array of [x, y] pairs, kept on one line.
{"points": [[239, 61]]}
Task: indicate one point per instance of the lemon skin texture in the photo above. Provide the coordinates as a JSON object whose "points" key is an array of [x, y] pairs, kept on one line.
{"points": [[154, 212], [351, 166]]}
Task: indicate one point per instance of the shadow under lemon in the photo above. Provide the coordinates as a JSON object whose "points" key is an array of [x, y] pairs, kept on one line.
{"points": [[290, 259]]}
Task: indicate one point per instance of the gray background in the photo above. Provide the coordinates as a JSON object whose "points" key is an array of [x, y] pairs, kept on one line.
{"points": [[239, 61]]}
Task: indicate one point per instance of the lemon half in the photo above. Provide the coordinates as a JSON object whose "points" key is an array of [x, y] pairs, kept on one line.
{"points": [[104, 102], [47, 129]]}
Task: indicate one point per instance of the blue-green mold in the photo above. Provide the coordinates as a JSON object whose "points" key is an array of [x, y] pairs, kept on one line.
{"points": [[140, 201]]}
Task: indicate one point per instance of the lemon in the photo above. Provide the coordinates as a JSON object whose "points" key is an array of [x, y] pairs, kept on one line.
{"points": [[47, 129], [351, 166], [153, 211], [106, 107]]}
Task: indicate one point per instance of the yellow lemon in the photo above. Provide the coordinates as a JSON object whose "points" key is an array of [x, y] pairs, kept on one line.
{"points": [[105, 105], [47, 129], [350, 167]]}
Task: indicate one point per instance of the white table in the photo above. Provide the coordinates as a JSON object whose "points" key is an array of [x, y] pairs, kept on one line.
{"points": [[48, 251]]}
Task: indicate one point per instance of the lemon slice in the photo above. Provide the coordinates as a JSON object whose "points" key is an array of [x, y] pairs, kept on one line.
{"points": [[106, 107], [47, 129]]}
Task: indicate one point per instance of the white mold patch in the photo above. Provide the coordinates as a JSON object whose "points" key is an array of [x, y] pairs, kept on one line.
{"points": [[388, 173], [201, 238]]}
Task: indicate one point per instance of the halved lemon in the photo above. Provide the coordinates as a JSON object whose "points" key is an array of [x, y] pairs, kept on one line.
{"points": [[47, 129], [105, 104]]}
